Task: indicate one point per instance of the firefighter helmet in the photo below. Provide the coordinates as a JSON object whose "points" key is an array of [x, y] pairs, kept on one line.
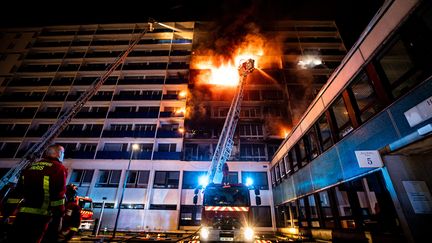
{"points": [[71, 192]]}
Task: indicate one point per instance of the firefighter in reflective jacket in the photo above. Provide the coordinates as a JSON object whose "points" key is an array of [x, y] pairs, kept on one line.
{"points": [[72, 217], [42, 188]]}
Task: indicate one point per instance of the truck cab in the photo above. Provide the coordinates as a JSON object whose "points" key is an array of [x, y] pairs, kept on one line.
{"points": [[226, 214], [86, 205]]}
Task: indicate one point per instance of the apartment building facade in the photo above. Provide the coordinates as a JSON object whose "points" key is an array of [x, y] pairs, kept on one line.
{"points": [[145, 101]]}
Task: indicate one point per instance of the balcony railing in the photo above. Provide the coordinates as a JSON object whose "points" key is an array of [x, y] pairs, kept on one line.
{"points": [[122, 155], [115, 114], [137, 97], [176, 81], [168, 134], [13, 133], [8, 98], [91, 115], [130, 134], [23, 115], [55, 98], [81, 134], [166, 155], [170, 114], [80, 154], [140, 81], [47, 114]]}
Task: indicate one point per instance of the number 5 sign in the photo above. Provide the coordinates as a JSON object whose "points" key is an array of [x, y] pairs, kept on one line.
{"points": [[368, 159]]}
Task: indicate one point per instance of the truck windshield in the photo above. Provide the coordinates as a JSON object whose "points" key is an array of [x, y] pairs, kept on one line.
{"points": [[232, 196], [84, 204]]}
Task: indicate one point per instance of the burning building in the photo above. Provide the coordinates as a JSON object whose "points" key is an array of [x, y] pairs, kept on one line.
{"points": [[171, 97]]}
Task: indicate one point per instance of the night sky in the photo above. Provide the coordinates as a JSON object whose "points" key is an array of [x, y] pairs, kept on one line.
{"points": [[351, 16]]}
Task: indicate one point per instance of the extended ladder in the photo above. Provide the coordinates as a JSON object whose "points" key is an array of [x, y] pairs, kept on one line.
{"points": [[226, 142]]}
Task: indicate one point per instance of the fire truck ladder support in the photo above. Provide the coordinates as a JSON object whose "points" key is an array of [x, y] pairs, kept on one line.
{"points": [[226, 142], [11, 177]]}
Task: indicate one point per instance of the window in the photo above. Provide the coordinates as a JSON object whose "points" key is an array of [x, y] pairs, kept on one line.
{"points": [[302, 213], [233, 177], [115, 147], [313, 211], [190, 215], [282, 168], [326, 209], [108, 178], [138, 179], [288, 165], [163, 207], [273, 176], [132, 206], [294, 160], [341, 116], [250, 130], [261, 216], [303, 157], [190, 179], [167, 147], [325, 133], [81, 177], [344, 207], [271, 149], [166, 179], [312, 143], [251, 112], [292, 206], [259, 179], [252, 151], [277, 173], [399, 68], [365, 97]]}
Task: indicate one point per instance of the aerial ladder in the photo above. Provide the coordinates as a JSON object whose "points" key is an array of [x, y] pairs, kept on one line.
{"points": [[226, 142], [35, 152]]}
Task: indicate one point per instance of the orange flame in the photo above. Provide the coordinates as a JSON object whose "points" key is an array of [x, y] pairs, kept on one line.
{"points": [[225, 72]]}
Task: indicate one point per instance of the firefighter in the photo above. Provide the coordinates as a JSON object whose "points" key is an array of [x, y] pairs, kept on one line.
{"points": [[42, 188], [72, 218], [225, 171]]}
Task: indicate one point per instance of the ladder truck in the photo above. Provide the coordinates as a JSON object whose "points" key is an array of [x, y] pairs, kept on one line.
{"points": [[11, 177], [225, 212]]}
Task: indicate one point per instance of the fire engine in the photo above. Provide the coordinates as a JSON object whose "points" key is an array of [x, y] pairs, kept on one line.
{"points": [[86, 205], [226, 207]]}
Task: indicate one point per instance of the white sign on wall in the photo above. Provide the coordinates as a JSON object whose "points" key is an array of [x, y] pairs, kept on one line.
{"points": [[368, 159], [419, 196], [420, 112]]}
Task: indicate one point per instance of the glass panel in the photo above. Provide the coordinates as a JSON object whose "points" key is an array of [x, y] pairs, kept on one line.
{"points": [[342, 119], [103, 176], [302, 213], [365, 97], [88, 176], [325, 204], [325, 132], [115, 177]]}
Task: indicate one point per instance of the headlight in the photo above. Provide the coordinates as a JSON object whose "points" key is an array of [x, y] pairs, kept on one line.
{"points": [[248, 233], [204, 233]]}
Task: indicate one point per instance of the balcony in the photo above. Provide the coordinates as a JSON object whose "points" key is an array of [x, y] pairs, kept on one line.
{"points": [[81, 133], [91, 115], [168, 134], [7, 153], [140, 81], [103, 97], [36, 133], [114, 114], [130, 134], [176, 81], [26, 82], [55, 97], [137, 97], [47, 114], [166, 155], [145, 66], [170, 114], [22, 115], [38, 68], [45, 55], [62, 82], [13, 133], [170, 97], [51, 44], [122, 155], [19, 98], [80, 154]]}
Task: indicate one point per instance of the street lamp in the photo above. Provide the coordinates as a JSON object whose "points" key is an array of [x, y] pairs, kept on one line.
{"points": [[134, 148]]}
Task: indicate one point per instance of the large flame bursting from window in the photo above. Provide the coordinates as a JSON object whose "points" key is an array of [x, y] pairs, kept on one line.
{"points": [[223, 70]]}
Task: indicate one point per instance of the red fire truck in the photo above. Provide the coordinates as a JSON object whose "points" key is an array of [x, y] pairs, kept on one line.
{"points": [[86, 205], [226, 213]]}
